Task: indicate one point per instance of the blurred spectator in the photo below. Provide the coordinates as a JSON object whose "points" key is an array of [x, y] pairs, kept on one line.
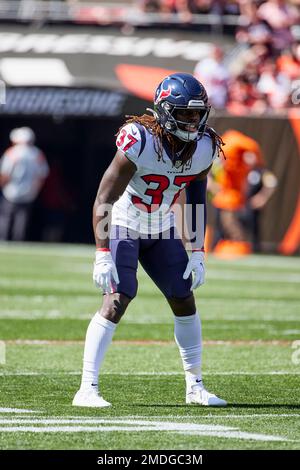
{"points": [[250, 60], [244, 97], [275, 86], [266, 54], [280, 15], [23, 170], [289, 62], [255, 79], [181, 7], [150, 6], [212, 72], [253, 29], [201, 6], [219, 7], [241, 188]]}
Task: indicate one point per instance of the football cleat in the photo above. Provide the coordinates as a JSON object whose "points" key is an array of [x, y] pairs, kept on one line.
{"points": [[89, 398], [196, 394]]}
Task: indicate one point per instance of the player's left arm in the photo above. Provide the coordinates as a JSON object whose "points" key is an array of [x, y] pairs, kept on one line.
{"points": [[269, 184], [196, 225], [6, 168]]}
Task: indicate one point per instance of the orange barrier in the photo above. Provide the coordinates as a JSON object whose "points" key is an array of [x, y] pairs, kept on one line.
{"points": [[291, 239], [229, 249]]}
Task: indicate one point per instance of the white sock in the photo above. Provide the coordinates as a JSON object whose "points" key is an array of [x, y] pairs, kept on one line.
{"points": [[188, 338], [98, 337]]}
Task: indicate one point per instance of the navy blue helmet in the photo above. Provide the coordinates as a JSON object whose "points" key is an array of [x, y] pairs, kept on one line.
{"points": [[181, 106]]}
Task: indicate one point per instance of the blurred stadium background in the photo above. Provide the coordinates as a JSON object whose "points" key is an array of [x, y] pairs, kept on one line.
{"points": [[74, 69]]}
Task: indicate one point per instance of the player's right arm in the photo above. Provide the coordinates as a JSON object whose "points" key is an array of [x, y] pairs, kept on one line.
{"points": [[112, 186]]}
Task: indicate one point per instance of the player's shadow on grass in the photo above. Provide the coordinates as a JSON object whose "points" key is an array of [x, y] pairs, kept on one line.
{"points": [[160, 405], [229, 405], [288, 406]]}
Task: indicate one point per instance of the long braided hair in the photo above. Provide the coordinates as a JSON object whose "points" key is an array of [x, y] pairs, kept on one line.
{"points": [[159, 134]]}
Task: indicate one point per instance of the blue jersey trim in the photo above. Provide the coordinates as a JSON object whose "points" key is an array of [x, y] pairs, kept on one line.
{"points": [[143, 137]]}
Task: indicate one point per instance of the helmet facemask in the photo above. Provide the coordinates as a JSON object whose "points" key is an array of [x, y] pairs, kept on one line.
{"points": [[173, 120]]}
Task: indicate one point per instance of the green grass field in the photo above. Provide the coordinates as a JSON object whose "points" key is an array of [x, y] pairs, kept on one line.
{"points": [[250, 311]]}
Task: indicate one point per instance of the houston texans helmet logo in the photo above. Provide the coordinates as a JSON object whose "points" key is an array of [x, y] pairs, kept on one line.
{"points": [[163, 94]]}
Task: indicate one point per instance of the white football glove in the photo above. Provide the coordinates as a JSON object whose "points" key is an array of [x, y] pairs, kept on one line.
{"points": [[105, 272], [196, 266]]}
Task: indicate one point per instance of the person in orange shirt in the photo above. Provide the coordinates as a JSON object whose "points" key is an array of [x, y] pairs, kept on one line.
{"points": [[289, 62], [241, 188]]}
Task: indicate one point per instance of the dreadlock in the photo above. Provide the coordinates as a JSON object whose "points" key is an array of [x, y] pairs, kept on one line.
{"points": [[151, 124], [217, 141]]}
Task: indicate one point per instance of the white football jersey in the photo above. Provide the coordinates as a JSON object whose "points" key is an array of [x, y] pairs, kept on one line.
{"points": [[145, 204]]}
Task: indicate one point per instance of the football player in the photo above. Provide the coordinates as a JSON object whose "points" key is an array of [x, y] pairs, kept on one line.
{"points": [[158, 156]]}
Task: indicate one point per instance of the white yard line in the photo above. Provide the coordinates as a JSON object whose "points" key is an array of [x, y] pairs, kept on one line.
{"points": [[41, 299], [227, 275], [231, 275], [227, 433], [151, 373], [146, 342], [256, 261], [57, 248], [39, 314], [87, 252], [43, 249], [291, 332], [15, 410], [68, 285], [53, 314], [134, 425], [132, 419], [36, 314], [19, 419]]}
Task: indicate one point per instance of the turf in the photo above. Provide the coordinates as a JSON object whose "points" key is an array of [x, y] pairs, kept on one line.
{"points": [[250, 311]]}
